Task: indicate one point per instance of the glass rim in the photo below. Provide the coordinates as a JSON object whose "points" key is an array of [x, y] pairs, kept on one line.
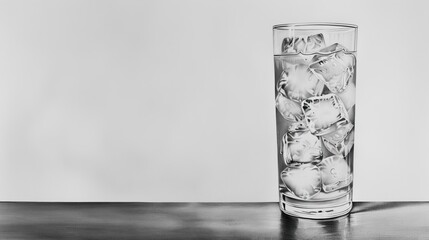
{"points": [[316, 25]]}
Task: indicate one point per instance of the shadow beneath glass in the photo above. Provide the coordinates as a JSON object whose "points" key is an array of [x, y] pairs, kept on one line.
{"points": [[335, 228], [377, 206]]}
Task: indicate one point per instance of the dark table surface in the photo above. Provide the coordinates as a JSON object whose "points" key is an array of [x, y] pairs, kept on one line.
{"points": [[368, 220]]}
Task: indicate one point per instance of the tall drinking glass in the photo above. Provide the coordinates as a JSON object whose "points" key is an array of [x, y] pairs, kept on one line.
{"points": [[315, 86]]}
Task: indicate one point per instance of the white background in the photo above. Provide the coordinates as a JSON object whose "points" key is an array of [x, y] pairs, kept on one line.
{"points": [[174, 100]]}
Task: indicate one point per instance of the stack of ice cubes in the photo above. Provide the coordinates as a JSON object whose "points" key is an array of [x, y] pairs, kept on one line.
{"points": [[316, 94]]}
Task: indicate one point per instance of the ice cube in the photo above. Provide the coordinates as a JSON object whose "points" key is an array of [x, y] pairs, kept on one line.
{"points": [[335, 173], [324, 114], [341, 141], [308, 44], [293, 45], [297, 126], [303, 180], [333, 48], [289, 109], [300, 83], [348, 96], [335, 69], [294, 59], [314, 43], [300, 146], [326, 152]]}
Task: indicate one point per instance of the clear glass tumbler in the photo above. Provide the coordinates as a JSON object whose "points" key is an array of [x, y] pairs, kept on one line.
{"points": [[315, 86]]}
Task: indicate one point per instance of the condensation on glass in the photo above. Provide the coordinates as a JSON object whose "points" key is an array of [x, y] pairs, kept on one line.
{"points": [[315, 87]]}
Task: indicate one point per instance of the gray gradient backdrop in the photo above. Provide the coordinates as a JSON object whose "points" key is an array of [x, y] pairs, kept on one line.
{"points": [[174, 100]]}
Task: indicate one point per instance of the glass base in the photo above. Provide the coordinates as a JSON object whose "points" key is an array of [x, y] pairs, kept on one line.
{"points": [[316, 210]]}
